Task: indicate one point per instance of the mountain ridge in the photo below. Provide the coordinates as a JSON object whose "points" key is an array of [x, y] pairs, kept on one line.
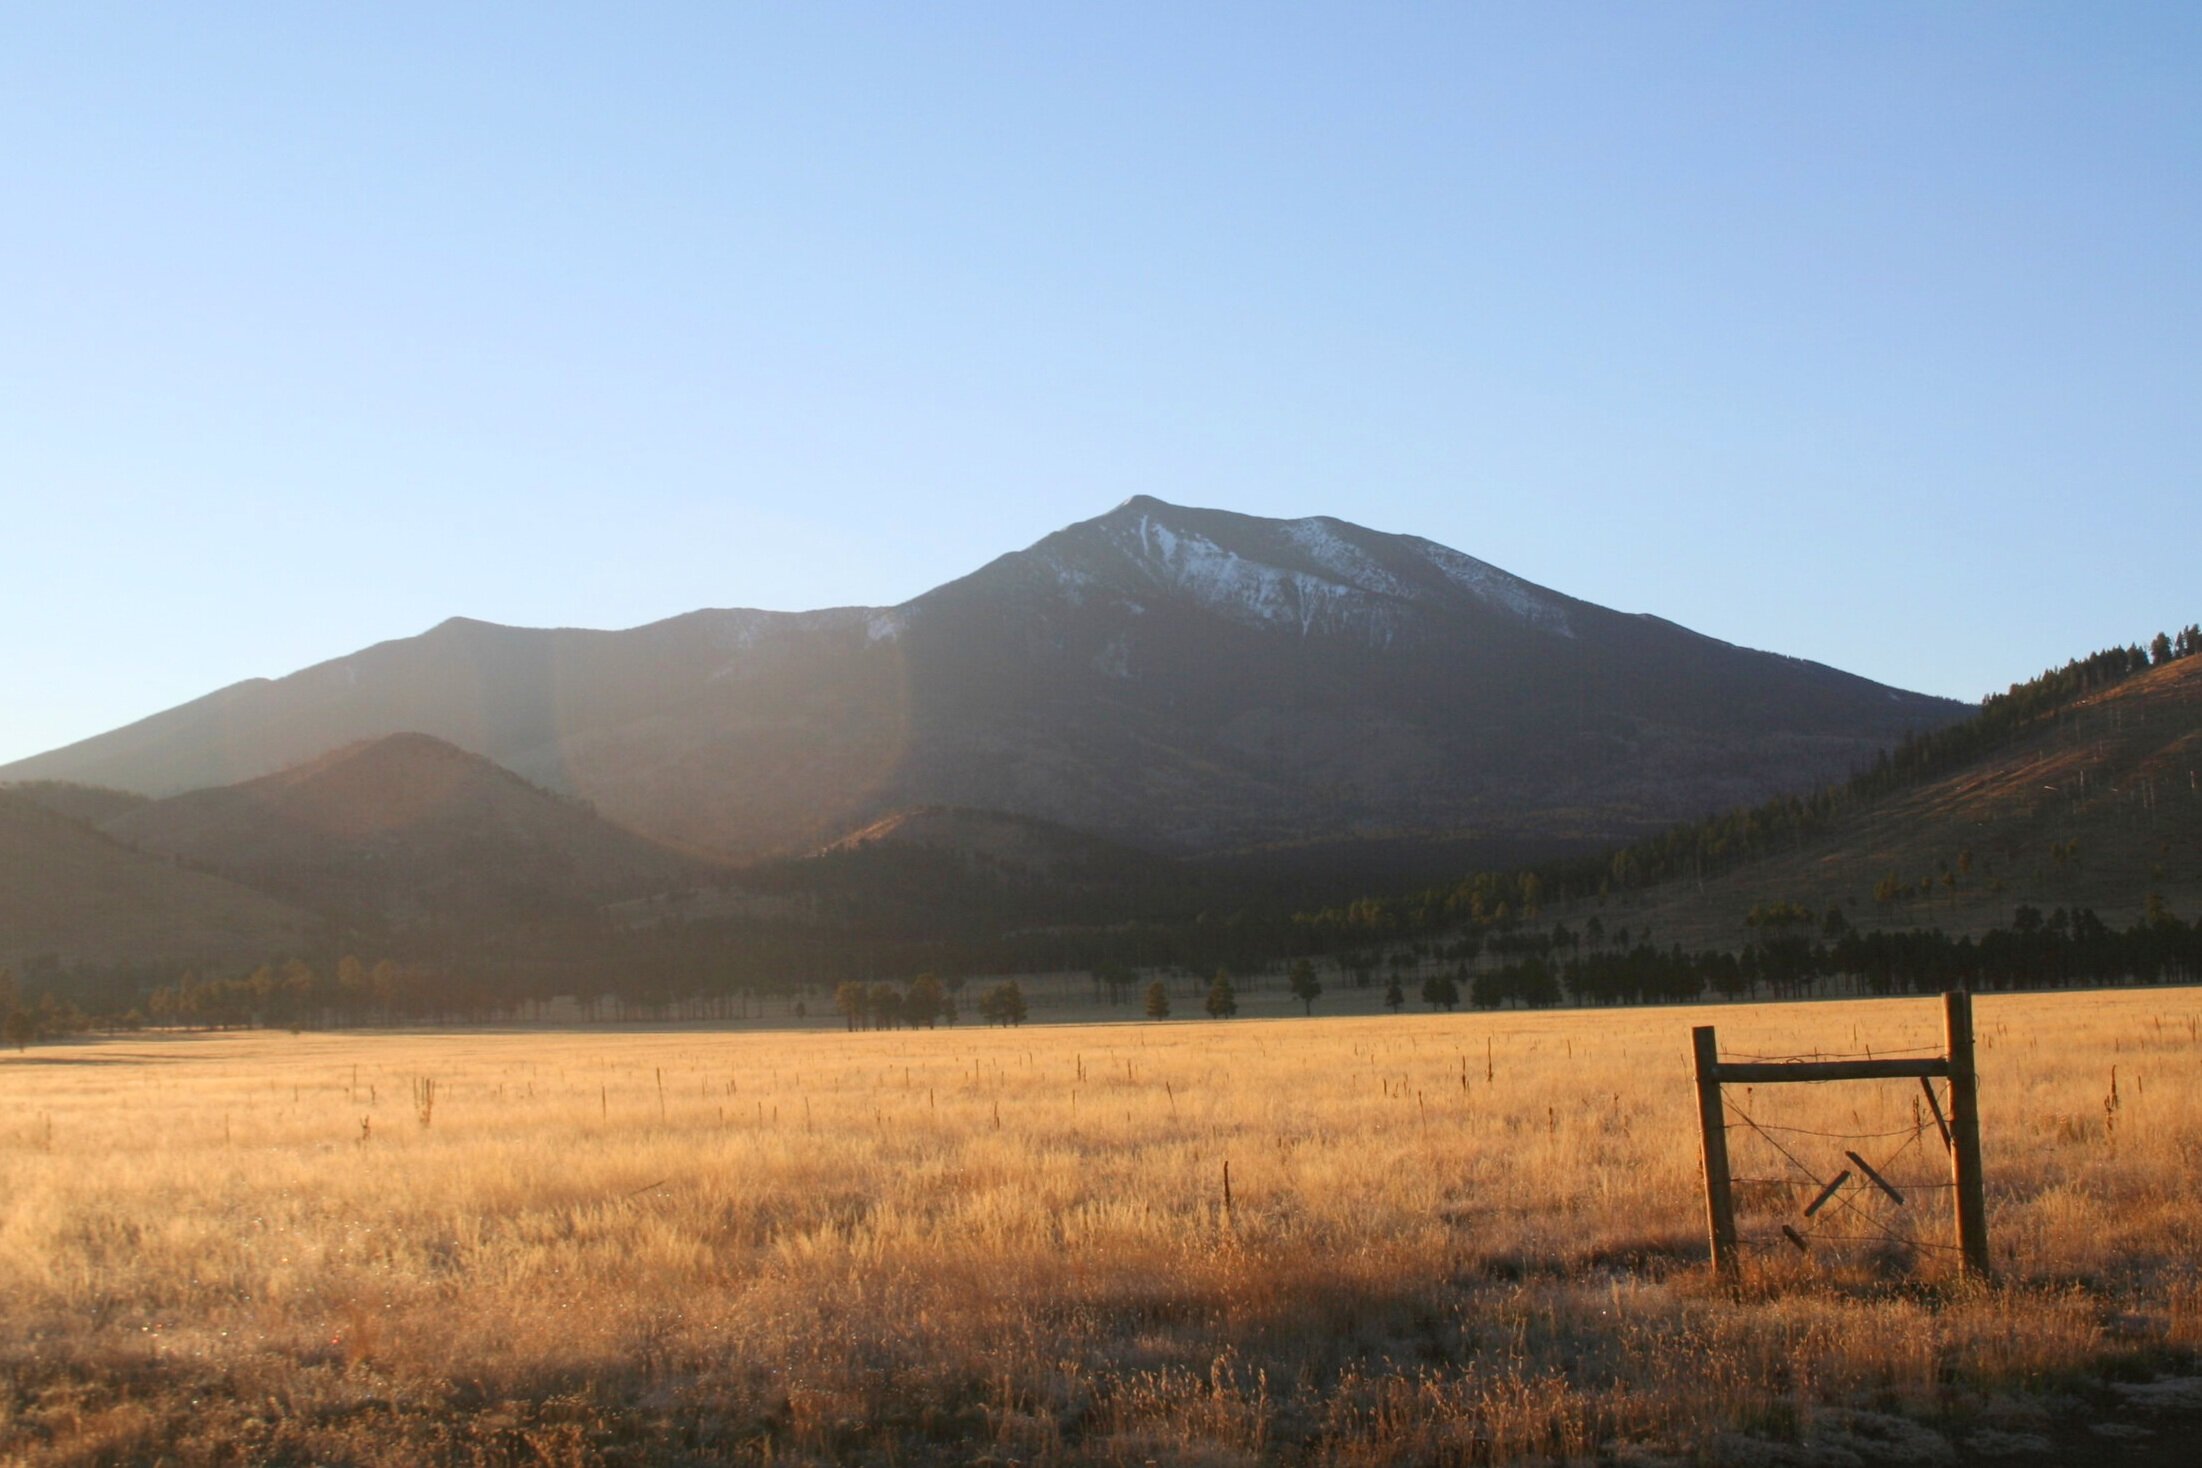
{"points": [[407, 828], [1183, 679]]}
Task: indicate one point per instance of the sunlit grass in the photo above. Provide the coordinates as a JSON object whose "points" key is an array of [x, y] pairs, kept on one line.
{"points": [[1447, 1238]]}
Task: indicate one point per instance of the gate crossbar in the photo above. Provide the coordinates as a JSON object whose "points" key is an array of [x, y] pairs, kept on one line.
{"points": [[1763, 1073]]}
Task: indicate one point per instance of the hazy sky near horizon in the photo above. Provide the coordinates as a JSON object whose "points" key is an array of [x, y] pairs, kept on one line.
{"points": [[1870, 333]]}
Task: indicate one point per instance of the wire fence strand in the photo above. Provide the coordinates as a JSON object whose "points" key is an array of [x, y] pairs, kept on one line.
{"points": [[1848, 1207], [1892, 1052]]}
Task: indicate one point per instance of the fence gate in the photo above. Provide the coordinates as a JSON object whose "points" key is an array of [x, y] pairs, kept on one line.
{"points": [[1960, 1131]]}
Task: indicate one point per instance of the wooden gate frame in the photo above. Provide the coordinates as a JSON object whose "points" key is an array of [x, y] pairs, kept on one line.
{"points": [[1956, 1065]]}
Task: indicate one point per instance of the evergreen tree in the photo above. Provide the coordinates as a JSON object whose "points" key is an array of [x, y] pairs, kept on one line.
{"points": [[1305, 986], [1223, 1000], [1440, 992], [1394, 996], [1158, 1001]]}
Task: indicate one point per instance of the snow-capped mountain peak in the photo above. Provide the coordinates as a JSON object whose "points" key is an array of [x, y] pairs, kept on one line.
{"points": [[1311, 576]]}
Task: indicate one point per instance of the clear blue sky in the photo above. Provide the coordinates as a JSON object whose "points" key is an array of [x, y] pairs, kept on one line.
{"points": [[1870, 333]]}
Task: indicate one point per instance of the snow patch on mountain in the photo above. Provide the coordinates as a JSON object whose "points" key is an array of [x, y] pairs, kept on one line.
{"points": [[1256, 593], [1075, 582], [1497, 589], [1316, 576], [1342, 558]]}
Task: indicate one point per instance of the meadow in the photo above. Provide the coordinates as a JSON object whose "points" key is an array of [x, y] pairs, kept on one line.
{"points": [[1369, 1240]]}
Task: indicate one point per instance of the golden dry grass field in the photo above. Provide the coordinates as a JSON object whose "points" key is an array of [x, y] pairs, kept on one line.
{"points": [[1471, 1238]]}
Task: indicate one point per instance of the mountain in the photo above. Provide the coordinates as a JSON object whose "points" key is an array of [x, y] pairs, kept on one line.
{"points": [[1235, 681], [1187, 680], [73, 896], [408, 828], [2096, 804], [90, 804]]}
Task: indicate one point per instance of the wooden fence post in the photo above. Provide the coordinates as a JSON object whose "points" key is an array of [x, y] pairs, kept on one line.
{"points": [[1720, 1201], [1965, 1165]]}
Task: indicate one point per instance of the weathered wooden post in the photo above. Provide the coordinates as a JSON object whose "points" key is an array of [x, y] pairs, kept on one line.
{"points": [[1712, 1120], [1965, 1165]]}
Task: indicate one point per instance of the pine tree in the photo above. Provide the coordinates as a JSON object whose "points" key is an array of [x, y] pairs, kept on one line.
{"points": [[1158, 1001], [1223, 1000], [1440, 992], [1305, 986]]}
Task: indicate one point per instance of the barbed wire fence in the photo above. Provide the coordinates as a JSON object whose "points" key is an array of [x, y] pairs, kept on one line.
{"points": [[1816, 1190], [1808, 1200]]}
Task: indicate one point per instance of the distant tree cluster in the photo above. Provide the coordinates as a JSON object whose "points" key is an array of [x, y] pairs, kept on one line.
{"points": [[2065, 949], [296, 993], [1004, 1004], [2163, 649], [925, 1004]]}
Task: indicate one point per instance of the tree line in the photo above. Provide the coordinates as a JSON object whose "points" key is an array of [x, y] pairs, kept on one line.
{"points": [[1793, 954]]}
